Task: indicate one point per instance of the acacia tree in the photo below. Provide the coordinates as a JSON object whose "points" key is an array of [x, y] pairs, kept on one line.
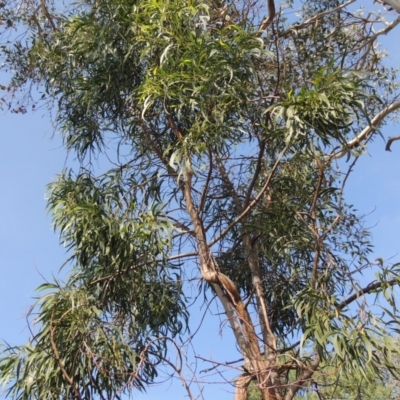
{"points": [[220, 126]]}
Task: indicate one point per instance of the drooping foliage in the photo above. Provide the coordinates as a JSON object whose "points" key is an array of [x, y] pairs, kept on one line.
{"points": [[209, 137]]}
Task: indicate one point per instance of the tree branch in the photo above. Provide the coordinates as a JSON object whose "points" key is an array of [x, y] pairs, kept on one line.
{"points": [[237, 331], [385, 30], [367, 131], [366, 290], [271, 15], [390, 141]]}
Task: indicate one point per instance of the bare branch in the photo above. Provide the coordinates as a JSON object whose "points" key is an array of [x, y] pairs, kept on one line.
{"points": [[183, 255], [390, 141], [367, 131]]}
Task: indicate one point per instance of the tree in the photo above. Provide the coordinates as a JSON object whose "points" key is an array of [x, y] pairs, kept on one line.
{"points": [[220, 132]]}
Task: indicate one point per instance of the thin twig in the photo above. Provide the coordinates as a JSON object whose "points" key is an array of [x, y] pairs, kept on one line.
{"points": [[366, 290], [204, 194]]}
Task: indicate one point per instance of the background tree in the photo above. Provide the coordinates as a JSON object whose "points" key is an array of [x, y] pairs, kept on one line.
{"points": [[218, 133]]}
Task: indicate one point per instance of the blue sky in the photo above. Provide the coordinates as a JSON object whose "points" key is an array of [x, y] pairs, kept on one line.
{"points": [[30, 158]]}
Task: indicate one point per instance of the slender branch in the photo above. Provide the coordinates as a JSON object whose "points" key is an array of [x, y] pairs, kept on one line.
{"points": [[366, 290], [286, 349], [256, 173], [156, 150], [367, 131], [190, 338], [386, 30], [178, 370], [231, 187], [321, 177], [181, 225], [390, 141], [204, 194], [217, 364], [183, 255]]}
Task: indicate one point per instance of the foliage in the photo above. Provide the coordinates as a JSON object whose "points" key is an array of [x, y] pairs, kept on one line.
{"points": [[353, 388], [217, 134], [330, 383]]}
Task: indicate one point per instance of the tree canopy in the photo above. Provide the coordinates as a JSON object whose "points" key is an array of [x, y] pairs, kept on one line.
{"points": [[214, 140]]}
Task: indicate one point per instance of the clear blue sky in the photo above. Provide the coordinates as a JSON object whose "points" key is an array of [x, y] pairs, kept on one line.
{"points": [[30, 158]]}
